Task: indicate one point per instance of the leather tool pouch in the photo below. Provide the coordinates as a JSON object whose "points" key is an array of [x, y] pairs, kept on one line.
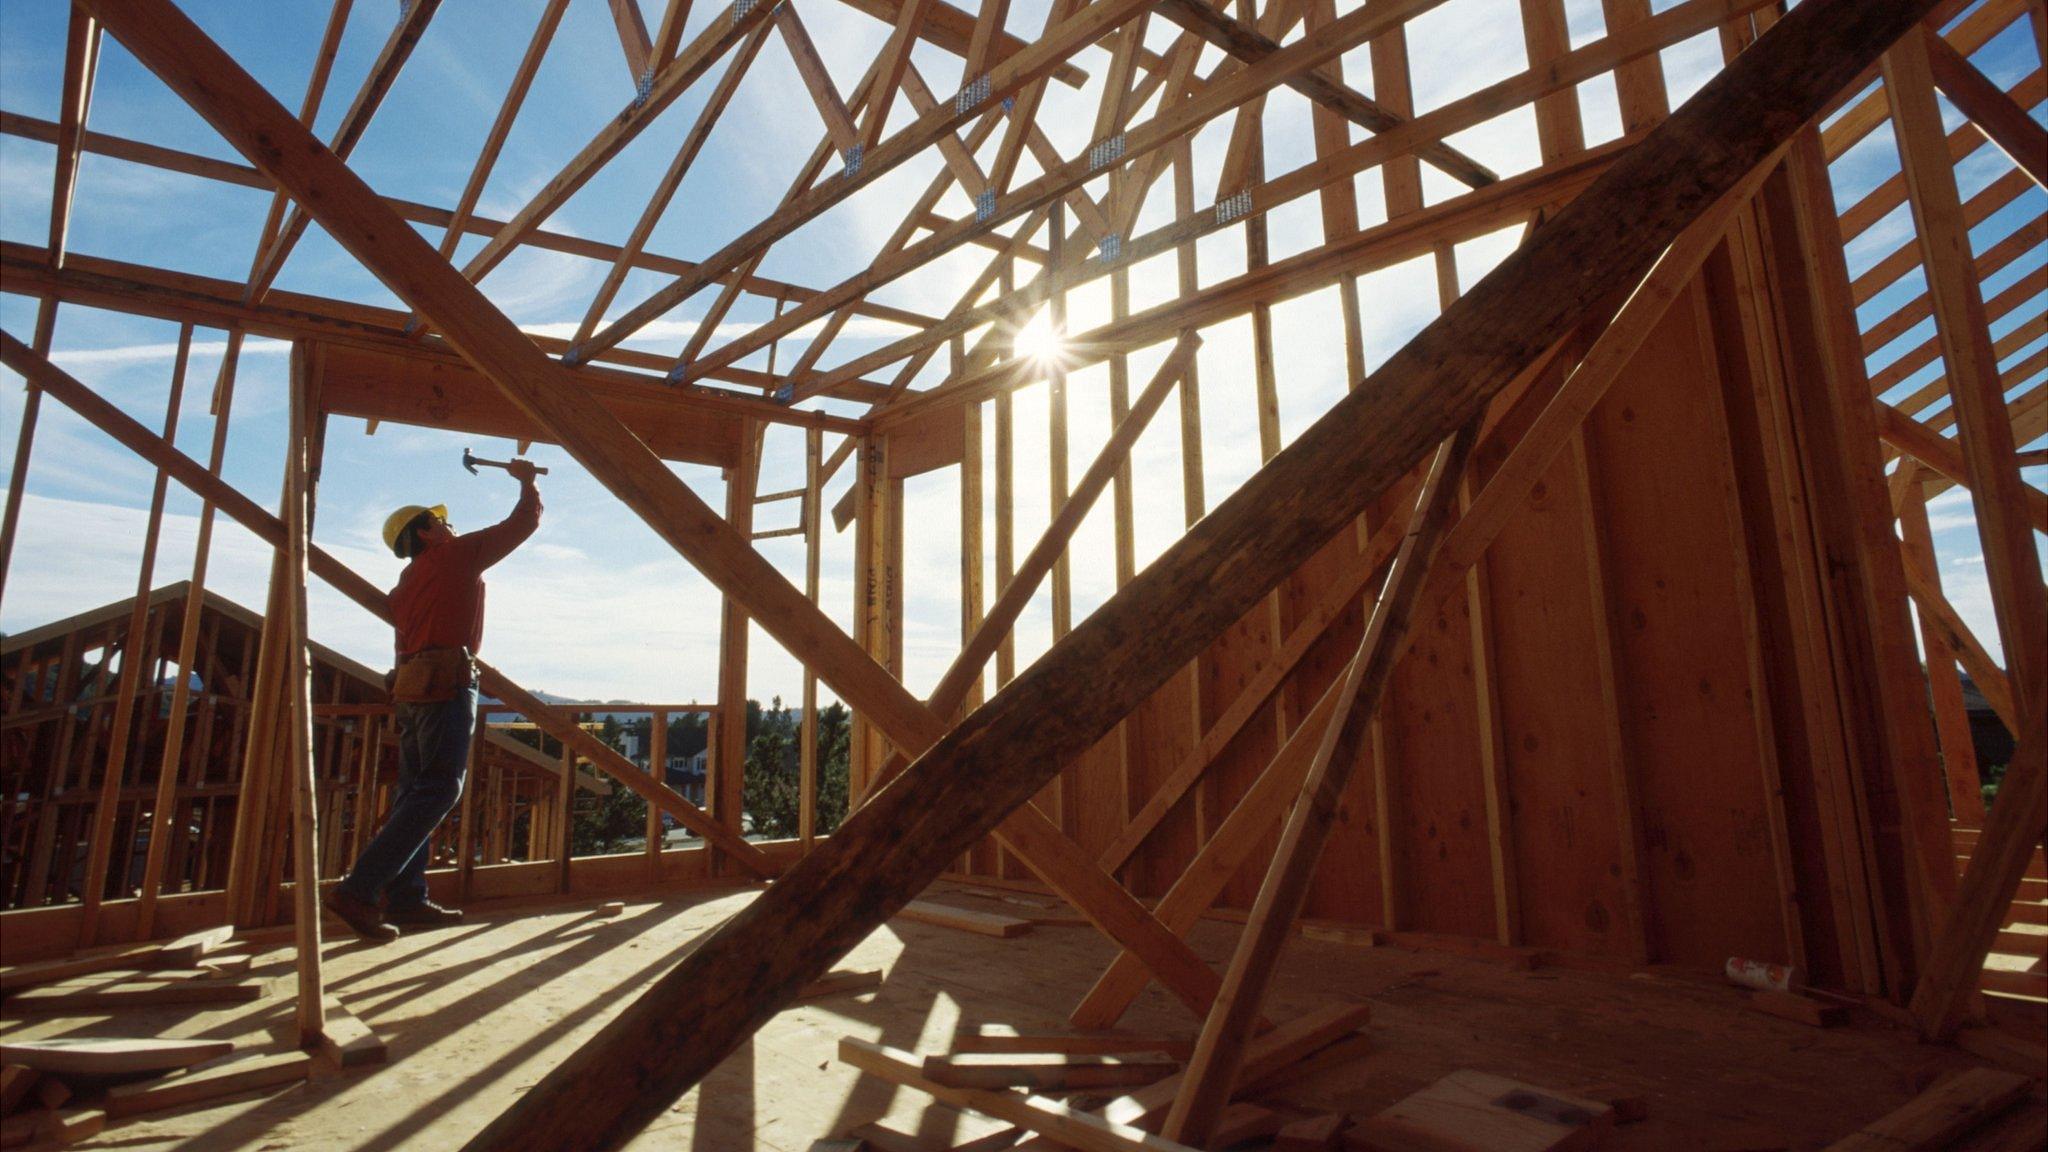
{"points": [[431, 676]]}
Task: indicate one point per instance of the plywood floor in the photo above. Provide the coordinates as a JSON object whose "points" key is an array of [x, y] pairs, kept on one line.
{"points": [[477, 1014]]}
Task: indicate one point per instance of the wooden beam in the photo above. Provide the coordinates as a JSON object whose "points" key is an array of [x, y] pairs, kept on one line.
{"points": [[1939, 617], [1250, 45], [690, 1018], [1945, 456], [1997, 114], [811, 68], [81, 62], [461, 223], [310, 1013], [633, 40]]}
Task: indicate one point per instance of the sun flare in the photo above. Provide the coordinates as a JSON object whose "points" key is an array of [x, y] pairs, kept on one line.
{"points": [[1039, 340]]}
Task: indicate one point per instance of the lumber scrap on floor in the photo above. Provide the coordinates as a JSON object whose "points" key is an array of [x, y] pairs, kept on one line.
{"points": [[1069, 1125], [965, 919], [109, 1056], [345, 1041], [211, 1083], [1940, 1115]]}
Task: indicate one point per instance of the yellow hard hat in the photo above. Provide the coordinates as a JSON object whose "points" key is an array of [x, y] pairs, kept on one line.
{"points": [[396, 522]]}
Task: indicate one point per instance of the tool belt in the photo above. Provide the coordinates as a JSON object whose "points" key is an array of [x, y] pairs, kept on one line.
{"points": [[432, 675]]}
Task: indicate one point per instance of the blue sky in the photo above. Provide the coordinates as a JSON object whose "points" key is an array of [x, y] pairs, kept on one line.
{"points": [[597, 606]]}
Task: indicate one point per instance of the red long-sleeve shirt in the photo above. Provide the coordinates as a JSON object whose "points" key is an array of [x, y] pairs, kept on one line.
{"points": [[439, 600]]}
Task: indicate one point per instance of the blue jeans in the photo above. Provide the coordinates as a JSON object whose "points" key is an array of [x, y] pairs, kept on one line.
{"points": [[433, 758]]}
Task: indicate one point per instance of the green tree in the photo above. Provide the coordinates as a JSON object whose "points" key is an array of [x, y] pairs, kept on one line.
{"points": [[772, 789], [835, 750]]}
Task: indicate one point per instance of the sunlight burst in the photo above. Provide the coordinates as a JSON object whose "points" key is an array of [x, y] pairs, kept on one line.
{"points": [[1039, 340]]}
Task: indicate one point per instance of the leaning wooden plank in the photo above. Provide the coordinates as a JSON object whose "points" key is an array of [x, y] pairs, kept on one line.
{"points": [[1481, 1112], [203, 1084], [1046, 1072], [54, 998], [1939, 1116], [966, 920], [1071, 1126], [1219, 1051], [733, 979], [110, 1057]]}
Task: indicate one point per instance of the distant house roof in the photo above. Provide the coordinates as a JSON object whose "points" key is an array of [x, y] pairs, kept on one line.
{"points": [[209, 600]]}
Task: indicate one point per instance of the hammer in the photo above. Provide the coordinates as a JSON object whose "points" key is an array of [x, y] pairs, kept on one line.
{"points": [[470, 460]]}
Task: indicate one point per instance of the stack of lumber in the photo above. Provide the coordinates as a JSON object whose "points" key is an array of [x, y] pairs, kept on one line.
{"points": [[121, 1077], [1101, 1091], [61, 1090]]}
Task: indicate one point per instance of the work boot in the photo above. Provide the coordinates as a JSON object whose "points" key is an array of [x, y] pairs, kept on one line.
{"points": [[424, 914], [360, 915]]}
